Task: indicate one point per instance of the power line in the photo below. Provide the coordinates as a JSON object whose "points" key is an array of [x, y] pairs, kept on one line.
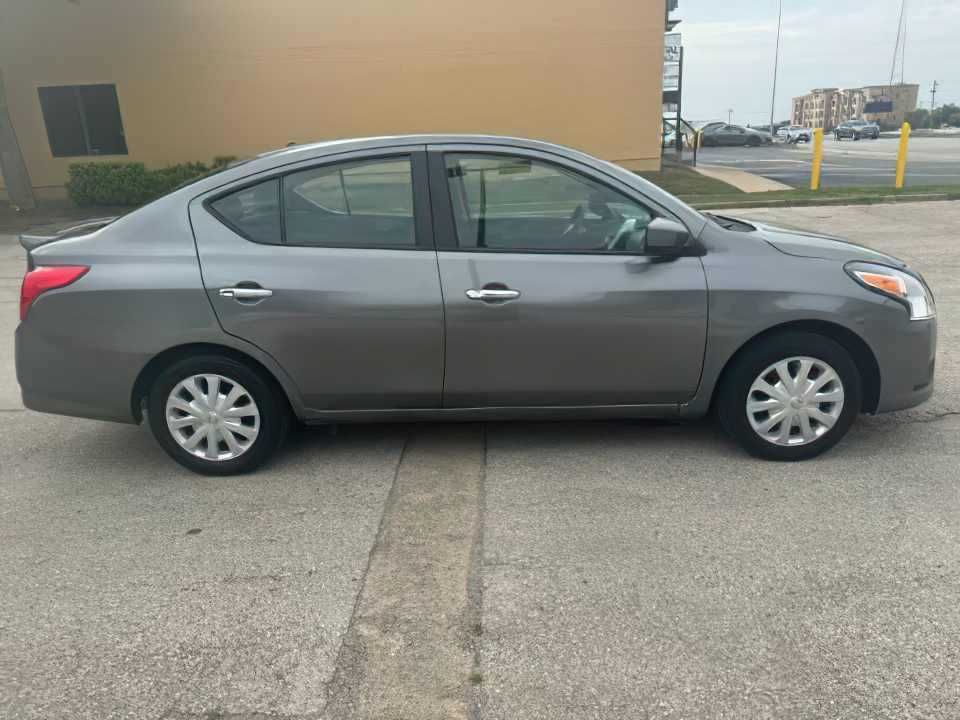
{"points": [[903, 48], [776, 62], [896, 45]]}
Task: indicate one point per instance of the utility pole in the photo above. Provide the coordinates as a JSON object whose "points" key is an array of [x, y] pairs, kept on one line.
{"points": [[933, 97], [730, 116], [776, 62]]}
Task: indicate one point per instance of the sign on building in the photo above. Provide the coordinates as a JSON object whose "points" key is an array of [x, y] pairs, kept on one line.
{"points": [[671, 67]]}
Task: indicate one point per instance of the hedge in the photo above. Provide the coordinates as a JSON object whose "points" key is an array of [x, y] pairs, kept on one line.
{"points": [[113, 183]]}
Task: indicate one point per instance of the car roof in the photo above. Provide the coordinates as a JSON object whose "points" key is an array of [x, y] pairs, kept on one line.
{"points": [[291, 154], [325, 147]]}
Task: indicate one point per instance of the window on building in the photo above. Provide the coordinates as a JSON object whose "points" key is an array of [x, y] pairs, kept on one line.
{"points": [[82, 120]]}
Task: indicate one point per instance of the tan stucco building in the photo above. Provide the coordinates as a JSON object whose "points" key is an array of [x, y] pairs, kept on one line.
{"points": [[187, 80]]}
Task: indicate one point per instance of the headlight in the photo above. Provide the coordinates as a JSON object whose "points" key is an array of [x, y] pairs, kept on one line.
{"points": [[901, 286]]}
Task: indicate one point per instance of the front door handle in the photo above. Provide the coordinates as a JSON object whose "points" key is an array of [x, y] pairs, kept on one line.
{"points": [[489, 295], [245, 293]]}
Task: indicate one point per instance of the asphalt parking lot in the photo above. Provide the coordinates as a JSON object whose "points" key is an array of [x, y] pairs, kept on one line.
{"points": [[500, 571], [847, 163]]}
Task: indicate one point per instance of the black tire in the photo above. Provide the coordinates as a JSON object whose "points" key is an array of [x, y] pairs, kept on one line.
{"points": [[749, 363], [272, 406]]}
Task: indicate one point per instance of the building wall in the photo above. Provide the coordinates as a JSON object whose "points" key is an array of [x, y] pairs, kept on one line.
{"points": [[237, 77], [904, 101]]}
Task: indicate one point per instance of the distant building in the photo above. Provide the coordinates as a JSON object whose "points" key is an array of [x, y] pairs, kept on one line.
{"points": [[828, 107]]}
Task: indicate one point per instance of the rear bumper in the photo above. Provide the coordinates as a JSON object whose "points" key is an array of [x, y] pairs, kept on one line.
{"points": [[64, 378], [907, 361]]}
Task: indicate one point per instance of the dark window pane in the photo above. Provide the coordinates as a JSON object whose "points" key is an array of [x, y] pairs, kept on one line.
{"points": [[254, 212], [512, 203], [61, 115], [102, 112], [82, 120], [360, 204]]}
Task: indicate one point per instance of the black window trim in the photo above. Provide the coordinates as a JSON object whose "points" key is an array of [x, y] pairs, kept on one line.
{"points": [[422, 217], [84, 122], [444, 223]]}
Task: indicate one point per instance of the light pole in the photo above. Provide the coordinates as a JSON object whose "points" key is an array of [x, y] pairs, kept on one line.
{"points": [[730, 116], [776, 61]]}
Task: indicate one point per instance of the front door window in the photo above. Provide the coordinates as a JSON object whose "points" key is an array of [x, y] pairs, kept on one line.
{"points": [[505, 203]]}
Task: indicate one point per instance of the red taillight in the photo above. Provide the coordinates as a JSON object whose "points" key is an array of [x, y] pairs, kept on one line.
{"points": [[44, 278]]}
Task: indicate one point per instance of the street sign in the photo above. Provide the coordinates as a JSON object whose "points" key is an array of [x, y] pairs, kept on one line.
{"points": [[671, 48]]}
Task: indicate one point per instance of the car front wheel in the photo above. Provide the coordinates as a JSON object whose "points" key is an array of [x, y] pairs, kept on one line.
{"points": [[790, 396], [216, 416]]}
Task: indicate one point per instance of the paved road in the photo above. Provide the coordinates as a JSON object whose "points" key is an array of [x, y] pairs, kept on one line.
{"points": [[932, 161], [509, 571]]}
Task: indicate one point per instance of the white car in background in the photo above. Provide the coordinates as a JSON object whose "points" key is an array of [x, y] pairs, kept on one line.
{"points": [[794, 134]]}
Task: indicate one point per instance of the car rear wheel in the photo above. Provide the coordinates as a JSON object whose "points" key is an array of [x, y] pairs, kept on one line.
{"points": [[216, 416], [790, 396]]}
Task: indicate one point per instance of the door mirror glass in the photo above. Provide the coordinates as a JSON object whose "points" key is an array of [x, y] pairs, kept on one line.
{"points": [[666, 238]]}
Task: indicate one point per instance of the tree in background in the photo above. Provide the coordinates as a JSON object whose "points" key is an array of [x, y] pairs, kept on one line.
{"points": [[947, 115]]}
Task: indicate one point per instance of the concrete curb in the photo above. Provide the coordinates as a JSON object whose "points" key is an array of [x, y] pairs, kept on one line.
{"points": [[846, 200]]}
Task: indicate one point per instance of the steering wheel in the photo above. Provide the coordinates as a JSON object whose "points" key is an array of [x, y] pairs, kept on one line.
{"points": [[576, 221], [619, 238]]}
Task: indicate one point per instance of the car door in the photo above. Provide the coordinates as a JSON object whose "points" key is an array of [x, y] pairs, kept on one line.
{"points": [[545, 305], [330, 267]]}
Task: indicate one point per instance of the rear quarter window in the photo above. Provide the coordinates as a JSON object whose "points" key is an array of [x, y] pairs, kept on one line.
{"points": [[253, 212]]}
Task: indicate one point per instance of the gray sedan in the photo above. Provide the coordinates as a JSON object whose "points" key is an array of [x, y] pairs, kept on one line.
{"points": [[459, 278]]}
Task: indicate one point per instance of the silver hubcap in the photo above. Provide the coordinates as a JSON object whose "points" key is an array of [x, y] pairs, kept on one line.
{"points": [[212, 417], [795, 401]]}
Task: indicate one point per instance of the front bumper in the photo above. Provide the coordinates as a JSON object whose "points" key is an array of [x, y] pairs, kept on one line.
{"points": [[907, 360]]}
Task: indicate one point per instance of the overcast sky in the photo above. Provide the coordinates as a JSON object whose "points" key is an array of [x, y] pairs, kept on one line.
{"points": [[729, 49]]}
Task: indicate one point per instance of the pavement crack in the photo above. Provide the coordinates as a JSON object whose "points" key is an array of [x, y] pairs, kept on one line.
{"points": [[387, 505], [409, 649], [929, 417], [475, 688]]}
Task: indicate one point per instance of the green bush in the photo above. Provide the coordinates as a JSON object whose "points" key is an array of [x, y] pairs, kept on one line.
{"points": [[113, 183]]}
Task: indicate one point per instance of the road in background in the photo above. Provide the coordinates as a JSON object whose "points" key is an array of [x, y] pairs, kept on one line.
{"points": [[847, 163]]}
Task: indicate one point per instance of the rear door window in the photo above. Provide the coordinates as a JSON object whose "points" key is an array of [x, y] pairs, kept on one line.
{"points": [[368, 203]]}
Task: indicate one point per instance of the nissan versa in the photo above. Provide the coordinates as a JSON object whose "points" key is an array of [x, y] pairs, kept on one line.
{"points": [[458, 277]]}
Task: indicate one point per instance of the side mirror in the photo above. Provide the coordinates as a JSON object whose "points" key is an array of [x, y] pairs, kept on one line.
{"points": [[666, 238]]}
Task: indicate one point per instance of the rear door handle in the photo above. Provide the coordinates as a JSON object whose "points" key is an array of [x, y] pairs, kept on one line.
{"points": [[492, 295], [244, 293]]}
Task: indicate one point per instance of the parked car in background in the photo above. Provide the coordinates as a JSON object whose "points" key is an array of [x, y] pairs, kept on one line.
{"points": [[458, 277], [794, 134], [856, 129], [669, 135], [734, 135]]}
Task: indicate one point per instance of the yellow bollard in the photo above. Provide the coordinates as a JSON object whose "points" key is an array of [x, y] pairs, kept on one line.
{"points": [[902, 155], [817, 159]]}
